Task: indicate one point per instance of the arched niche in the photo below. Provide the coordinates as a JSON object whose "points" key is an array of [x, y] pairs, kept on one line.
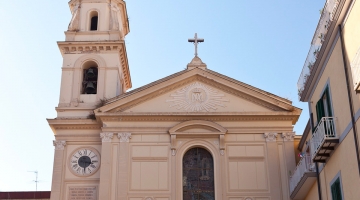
{"points": [[195, 128], [85, 58], [80, 65], [89, 77], [93, 20], [218, 166], [198, 174]]}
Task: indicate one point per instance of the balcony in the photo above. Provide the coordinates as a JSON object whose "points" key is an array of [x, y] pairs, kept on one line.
{"points": [[326, 17], [302, 179], [324, 140]]}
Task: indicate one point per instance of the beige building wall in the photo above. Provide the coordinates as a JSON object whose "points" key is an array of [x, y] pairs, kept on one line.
{"points": [[330, 72], [313, 193]]}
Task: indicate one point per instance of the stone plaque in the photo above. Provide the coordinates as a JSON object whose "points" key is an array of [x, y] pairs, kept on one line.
{"points": [[82, 193]]}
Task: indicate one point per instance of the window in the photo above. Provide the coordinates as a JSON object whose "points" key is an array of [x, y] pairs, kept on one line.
{"points": [[198, 175], [323, 106], [336, 192], [90, 77], [94, 21]]}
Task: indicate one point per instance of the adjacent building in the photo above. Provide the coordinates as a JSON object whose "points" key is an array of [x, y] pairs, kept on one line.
{"points": [[329, 83]]}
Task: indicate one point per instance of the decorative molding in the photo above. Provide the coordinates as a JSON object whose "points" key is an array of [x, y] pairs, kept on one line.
{"points": [[59, 144], [178, 117], [64, 127], [222, 152], [197, 97], [148, 198], [173, 152], [106, 137], [124, 137], [173, 144], [88, 48], [270, 137], [288, 137], [203, 80]]}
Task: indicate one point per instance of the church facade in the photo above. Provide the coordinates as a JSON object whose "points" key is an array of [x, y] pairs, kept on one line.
{"points": [[195, 134]]}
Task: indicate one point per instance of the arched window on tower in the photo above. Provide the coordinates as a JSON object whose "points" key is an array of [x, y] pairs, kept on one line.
{"points": [[90, 78], [94, 18], [198, 175]]}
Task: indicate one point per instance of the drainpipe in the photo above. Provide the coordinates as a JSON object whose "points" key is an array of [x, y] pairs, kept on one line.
{"points": [[353, 122], [318, 180]]}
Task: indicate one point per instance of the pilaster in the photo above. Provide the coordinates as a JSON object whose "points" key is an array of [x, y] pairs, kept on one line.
{"points": [[105, 170], [58, 169], [273, 165], [123, 165]]}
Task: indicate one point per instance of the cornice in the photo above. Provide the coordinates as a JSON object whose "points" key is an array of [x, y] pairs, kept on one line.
{"points": [[65, 127], [73, 124], [129, 103], [125, 67], [83, 47], [196, 116]]}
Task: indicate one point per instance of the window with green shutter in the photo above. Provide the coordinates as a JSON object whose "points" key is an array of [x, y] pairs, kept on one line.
{"points": [[336, 192], [323, 106]]}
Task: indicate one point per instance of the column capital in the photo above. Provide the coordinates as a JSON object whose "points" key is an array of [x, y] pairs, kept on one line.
{"points": [[270, 137], [124, 137], [288, 137], [106, 137], [59, 144]]}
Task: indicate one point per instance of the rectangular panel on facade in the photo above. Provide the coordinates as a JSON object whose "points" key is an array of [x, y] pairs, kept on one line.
{"points": [[86, 193]]}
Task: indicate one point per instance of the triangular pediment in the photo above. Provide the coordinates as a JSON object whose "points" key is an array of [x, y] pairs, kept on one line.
{"points": [[197, 96], [197, 91]]}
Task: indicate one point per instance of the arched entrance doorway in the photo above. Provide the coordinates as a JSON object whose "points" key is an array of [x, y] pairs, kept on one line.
{"points": [[198, 175]]}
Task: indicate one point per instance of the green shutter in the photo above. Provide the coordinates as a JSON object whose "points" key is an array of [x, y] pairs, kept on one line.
{"points": [[336, 190], [320, 113], [328, 101]]}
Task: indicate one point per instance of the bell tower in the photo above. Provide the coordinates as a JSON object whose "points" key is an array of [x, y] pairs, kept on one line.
{"points": [[95, 65]]}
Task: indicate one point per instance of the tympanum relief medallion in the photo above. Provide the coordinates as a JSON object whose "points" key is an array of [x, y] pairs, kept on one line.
{"points": [[197, 97]]}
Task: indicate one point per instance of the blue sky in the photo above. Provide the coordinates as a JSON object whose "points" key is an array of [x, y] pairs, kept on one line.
{"points": [[261, 43]]}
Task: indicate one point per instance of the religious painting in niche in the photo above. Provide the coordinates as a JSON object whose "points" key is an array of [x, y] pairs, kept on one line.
{"points": [[198, 175]]}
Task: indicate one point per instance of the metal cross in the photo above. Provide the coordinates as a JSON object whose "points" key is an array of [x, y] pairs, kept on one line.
{"points": [[196, 40]]}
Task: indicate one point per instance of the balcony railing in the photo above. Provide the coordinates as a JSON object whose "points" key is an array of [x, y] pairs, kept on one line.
{"points": [[324, 138], [305, 165], [327, 14]]}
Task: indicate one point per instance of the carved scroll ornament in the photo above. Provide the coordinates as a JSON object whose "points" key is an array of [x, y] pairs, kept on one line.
{"points": [[74, 23], [288, 137], [270, 137], [106, 137], [124, 137], [59, 144]]}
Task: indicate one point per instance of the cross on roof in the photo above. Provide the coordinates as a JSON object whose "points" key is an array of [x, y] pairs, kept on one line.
{"points": [[196, 40]]}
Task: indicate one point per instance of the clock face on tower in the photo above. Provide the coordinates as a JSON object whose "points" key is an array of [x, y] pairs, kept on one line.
{"points": [[84, 161]]}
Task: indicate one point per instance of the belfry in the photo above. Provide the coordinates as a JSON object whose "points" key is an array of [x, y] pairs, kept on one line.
{"points": [[195, 134]]}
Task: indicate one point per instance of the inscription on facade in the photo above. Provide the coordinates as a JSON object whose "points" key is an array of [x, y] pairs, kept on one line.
{"points": [[82, 193]]}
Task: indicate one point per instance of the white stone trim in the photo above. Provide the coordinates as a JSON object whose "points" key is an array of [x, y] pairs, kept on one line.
{"points": [[106, 137], [270, 137], [124, 137], [59, 144], [288, 137]]}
